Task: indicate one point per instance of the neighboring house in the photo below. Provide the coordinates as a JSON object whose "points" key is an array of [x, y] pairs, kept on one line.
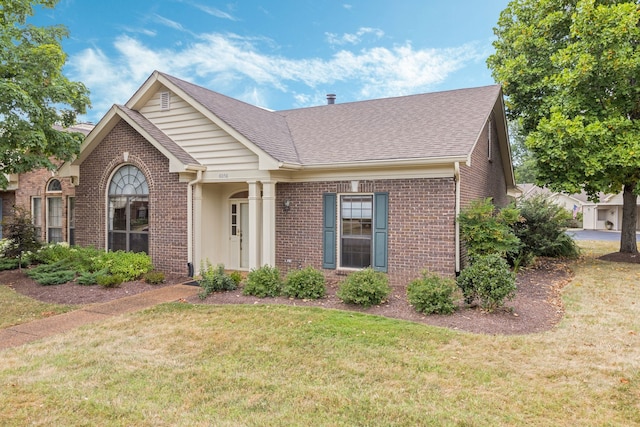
{"points": [[49, 198], [188, 175], [606, 214]]}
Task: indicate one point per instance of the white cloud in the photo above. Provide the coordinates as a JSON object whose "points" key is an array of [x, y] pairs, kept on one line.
{"points": [[234, 65], [356, 38]]}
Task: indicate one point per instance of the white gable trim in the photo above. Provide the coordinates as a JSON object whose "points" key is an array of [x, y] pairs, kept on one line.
{"points": [[153, 83]]}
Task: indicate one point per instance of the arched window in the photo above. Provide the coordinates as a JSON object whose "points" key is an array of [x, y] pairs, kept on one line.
{"points": [[129, 210], [54, 185], [54, 211]]}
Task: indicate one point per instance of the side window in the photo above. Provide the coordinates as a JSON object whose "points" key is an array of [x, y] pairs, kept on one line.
{"points": [[36, 215]]}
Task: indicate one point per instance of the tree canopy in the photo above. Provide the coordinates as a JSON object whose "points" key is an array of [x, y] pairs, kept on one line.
{"points": [[570, 70], [34, 94]]}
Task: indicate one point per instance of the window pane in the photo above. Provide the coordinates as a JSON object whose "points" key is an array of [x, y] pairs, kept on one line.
{"points": [[356, 219], [118, 213], [117, 241], [55, 235], [139, 242], [36, 212], [54, 212], [139, 219]]}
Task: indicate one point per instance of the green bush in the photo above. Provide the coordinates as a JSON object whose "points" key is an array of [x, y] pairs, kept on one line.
{"points": [[214, 280], [236, 276], [11, 263], [110, 281], [154, 277], [432, 294], [88, 278], [20, 233], [365, 287], [129, 265], [542, 232], [485, 230], [263, 282], [52, 274], [490, 280], [307, 283]]}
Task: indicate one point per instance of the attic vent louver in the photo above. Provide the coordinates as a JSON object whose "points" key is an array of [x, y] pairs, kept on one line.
{"points": [[331, 98], [165, 100]]}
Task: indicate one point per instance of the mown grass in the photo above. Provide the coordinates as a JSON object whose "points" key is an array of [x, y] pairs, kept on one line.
{"points": [[192, 365], [16, 308]]}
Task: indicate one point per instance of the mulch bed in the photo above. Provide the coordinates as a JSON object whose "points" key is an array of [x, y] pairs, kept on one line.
{"points": [[537, 306]]}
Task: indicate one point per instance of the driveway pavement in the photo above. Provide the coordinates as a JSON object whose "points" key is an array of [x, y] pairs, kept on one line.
{"points": [[613, 236]]}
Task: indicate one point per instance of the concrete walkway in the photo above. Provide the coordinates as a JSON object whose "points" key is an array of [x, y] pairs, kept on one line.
{"points": [[17, 335]]}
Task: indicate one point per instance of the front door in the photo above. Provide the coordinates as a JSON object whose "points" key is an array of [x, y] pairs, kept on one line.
{"points": [[239, 235]]}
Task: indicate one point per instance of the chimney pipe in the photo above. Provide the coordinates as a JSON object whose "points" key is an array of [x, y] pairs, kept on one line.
{"points": [[331, 98]]}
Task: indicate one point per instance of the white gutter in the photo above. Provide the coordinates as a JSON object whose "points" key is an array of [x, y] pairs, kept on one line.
{"points": [[190, 215], [457, 225]]}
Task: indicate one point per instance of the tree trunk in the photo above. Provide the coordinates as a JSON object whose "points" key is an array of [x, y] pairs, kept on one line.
{"points": [[629, 220]]}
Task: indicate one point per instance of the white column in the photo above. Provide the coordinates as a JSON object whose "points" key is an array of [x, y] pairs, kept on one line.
{"points": [[268, 223], [254, 224], [197, 226]]}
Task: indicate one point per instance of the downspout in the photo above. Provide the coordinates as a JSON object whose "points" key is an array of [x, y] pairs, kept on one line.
{"points": [[457, 225], [190, 221]]}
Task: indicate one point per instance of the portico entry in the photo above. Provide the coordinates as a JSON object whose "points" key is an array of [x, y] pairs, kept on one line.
{"points": [[239, 236]]}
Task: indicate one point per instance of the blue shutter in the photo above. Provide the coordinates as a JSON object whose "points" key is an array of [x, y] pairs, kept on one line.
{"points": [[329, 207], [380, 231]]}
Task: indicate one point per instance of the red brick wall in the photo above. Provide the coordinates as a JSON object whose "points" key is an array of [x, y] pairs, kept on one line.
{"points": [[485, 176], [167, 197], [421, 225], [34, 184]]}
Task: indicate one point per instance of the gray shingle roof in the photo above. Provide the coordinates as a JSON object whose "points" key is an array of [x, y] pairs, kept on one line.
{"points": [[159, 136], [432, 125]]}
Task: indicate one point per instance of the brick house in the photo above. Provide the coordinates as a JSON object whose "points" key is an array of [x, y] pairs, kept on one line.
{"points": [[187, 174], [49, 197]]}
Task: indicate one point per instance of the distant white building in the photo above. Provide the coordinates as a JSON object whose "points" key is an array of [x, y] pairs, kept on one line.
{"points": [[606, 214]]}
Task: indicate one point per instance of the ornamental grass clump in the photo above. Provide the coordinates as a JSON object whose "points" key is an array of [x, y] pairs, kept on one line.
{"points": [[263, 282], [432, 294], [365, 287], [307, 283]]}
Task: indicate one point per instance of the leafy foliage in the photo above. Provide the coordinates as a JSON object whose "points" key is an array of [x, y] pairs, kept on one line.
{"points": [[110, 280], [154, 277], [570, 71], [87, 278], [236, 276], [214, 280], [490, 280], [432, 294], [263, 282], [542, 232], [129, 265], [307, 283], [52, 274], [365, 287], [485, 230], [34, 94], [20, 235]]}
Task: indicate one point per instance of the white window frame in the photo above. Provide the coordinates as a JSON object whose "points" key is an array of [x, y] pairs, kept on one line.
{"points": [[339, 224]]}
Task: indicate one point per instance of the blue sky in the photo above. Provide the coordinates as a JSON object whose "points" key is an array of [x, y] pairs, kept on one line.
{"points": [[277, 54]]}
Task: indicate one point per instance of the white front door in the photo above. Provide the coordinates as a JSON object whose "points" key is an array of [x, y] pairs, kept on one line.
{"points": [[239, 235]]}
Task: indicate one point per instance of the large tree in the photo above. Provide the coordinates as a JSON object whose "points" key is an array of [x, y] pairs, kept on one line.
{"points": [[34, 94], [571, 72]]}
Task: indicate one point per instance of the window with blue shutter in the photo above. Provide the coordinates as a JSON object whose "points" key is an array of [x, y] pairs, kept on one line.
{"points": [[329, 206]]}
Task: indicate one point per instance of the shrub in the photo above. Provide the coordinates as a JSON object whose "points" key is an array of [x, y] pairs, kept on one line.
{"points": [[129, 265], [543, 230], [20, 234], [11, 263], [154, 277], [485, 230], [52, 274], [432, 294], [365, 287], [87, 278], [263, 282], [214, 280], [110, 281], [490, 280], [236, 276], [306, 283]]}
